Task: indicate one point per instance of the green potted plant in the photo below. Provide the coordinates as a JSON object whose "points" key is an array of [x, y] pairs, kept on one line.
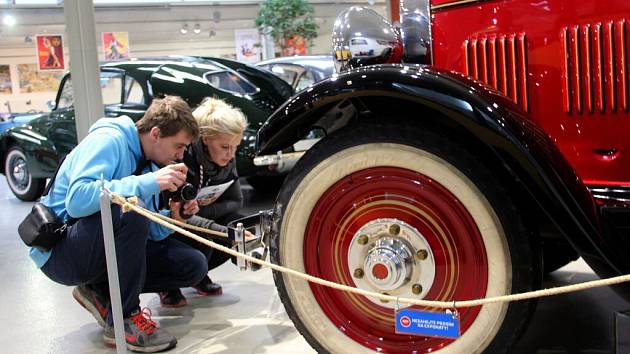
{"points": [[290, 23]]}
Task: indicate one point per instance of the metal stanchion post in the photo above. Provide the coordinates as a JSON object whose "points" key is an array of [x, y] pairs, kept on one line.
{"points": [[240, 246], [112, 272]]}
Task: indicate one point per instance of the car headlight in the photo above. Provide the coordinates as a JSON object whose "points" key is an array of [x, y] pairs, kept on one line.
{"points": [[415, 30]]}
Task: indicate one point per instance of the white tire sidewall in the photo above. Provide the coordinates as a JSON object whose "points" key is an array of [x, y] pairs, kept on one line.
{"points": [[9, 174], [330, 171]]}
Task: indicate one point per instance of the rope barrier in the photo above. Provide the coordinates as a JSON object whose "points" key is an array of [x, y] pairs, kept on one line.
{"points": [[188, 226], [134, 201], [164, 221]]}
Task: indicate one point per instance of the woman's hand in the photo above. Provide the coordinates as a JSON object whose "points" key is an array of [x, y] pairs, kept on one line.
{"points": [[248, 237], [189, 208], [207, 201]]}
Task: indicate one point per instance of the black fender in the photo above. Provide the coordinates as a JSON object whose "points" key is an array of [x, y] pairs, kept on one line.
{"points": [[40, 153], [522, 149]]}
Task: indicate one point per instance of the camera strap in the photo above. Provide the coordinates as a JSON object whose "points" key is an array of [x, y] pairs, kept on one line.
{"points": [[54, 176], [142, 165]]}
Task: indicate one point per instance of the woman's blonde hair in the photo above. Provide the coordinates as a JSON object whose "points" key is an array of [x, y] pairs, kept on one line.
{"points": [[215, 117]]}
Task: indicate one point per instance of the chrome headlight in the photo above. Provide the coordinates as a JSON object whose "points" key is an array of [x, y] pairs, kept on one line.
{"points": [[362, 37]]}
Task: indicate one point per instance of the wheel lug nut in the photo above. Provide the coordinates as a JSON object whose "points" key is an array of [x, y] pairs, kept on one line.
{"points": [[394, 229], [362, 240], [358, 273], [422, 254], [416, 289]]}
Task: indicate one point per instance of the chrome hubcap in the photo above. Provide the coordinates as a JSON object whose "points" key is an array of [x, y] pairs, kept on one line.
{"points": [[19, 172], [388, 264], [391, 257]]}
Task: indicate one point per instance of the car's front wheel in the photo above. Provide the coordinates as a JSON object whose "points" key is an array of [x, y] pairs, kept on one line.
{"points": [[19, 178], [404, 212]]}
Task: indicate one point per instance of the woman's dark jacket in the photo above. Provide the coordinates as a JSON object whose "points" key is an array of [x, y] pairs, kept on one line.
{"points": [[196, 157]]}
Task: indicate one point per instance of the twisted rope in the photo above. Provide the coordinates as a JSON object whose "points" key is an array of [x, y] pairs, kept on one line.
{"points": [[172, 224]]}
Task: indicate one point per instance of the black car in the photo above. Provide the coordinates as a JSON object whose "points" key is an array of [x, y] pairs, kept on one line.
{"points": [[301, 71], [31, 152]]}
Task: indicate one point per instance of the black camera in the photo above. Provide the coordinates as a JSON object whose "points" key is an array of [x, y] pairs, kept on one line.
{"points": [[184, 193]]}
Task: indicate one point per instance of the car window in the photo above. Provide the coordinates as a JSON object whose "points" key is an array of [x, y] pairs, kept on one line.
{"points": [[227, 81], [133, 91], [66, 98], [305, 80], [111, 87], [285, 72]]}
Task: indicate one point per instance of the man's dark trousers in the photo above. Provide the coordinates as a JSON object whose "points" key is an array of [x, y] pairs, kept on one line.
{"points": [[143, 265]]}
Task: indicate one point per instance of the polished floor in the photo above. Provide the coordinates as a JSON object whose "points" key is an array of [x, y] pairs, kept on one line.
{"points": [[39, 316]]}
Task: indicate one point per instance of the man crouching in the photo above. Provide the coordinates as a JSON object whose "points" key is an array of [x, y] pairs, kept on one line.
{"points": [[133, 160]]}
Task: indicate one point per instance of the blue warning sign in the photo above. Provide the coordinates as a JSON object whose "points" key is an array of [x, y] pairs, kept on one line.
{"points": [[422, 323]]}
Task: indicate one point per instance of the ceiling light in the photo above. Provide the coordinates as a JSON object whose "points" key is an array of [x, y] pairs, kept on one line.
{"points": [[197, 28], [8, 20], [184, 29]]}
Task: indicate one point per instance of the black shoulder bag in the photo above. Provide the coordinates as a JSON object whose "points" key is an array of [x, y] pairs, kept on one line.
{"points": [[41, 228]]}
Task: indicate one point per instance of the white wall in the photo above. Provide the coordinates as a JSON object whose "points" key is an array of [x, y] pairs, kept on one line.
{"points": [[153, 31]]}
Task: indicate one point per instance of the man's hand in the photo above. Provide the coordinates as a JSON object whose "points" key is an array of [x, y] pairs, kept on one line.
{"points": [[189, 208], [207, 201], [170, 177]]}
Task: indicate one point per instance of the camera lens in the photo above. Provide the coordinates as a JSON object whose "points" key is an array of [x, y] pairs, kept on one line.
{"points": [[188, 192]]}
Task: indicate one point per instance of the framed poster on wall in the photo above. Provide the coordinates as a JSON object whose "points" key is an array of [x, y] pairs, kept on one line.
{"points": [[50, 52], [33, 80], [247, 42], [115, 45], [5, 80]]}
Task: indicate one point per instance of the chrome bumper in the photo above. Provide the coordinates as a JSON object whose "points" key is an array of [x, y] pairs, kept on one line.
{"points": [[280, 162], [283, 162]]}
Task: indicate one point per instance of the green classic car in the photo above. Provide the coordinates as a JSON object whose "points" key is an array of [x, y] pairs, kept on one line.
{"points": [[31, 152]]}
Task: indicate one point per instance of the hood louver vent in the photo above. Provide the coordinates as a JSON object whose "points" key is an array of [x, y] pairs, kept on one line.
{"points": [[594, 67], [499, 61]]}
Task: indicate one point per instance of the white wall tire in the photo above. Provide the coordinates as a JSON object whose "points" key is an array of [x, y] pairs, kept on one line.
{"points": [[19, 178], [316, 179]]}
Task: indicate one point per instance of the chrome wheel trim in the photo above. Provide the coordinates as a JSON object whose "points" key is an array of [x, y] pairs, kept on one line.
{"points": [[374, 243]]}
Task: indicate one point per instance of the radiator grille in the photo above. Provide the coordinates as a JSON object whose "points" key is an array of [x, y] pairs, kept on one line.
{"points": [[595, 67], [499, 61]]}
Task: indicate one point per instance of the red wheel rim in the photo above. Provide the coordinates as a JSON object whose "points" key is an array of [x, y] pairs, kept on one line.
{"points": [[461, 269]]}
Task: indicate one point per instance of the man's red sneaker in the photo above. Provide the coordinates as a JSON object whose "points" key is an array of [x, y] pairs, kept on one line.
{"points": [[141, 334]]}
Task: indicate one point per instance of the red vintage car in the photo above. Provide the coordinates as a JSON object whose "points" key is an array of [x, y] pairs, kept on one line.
{"points": [[466, 154]]}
